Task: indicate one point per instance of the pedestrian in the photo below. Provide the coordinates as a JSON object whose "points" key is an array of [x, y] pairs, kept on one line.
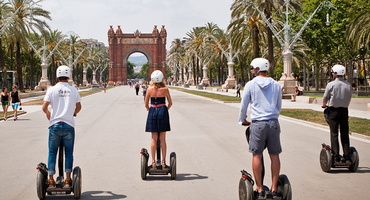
{"points": [[105, 87], [5, 99], [145, 88], [238, 90], [264, 96], [158, 120], [16, 101], [65, 103], [137, 88], [297, 92], [336, 100]]}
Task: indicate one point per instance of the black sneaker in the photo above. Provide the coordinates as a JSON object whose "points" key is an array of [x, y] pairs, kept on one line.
{"points": [[260, 195], [276, 195], [348, 159]]}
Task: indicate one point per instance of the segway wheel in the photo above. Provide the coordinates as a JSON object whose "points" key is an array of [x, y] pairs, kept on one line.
{"points": [[245, 190], [325, 160], [284, 187], [41, 185], [173, 165], [355, 159], [144, 163], [77, 182]]}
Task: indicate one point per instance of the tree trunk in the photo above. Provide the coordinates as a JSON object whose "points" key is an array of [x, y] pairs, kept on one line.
{"points": [[19, 66], [255, 36], [2, 64]]}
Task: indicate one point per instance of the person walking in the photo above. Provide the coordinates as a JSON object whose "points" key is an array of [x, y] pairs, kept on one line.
{"points": [[264, 96], [137, 88], [16, 101], [145, 88], [336, 100], [65, 103], [5, 99], [238, 90], [158, 121]]}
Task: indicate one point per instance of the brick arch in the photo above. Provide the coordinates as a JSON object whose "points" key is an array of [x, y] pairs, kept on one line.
{"points": [[122, 45]]}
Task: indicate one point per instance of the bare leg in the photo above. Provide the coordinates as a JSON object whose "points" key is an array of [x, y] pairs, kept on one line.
{"points": [[15, 112], [68, 175], [4, 112], [275, 171], [162, 138], [153, 146], [257, 171]]}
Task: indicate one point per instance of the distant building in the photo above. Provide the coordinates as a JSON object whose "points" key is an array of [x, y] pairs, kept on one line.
{"points": [[93, 43]]}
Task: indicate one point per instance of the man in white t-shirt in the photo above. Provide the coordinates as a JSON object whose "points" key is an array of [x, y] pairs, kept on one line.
{"points": [[65, 103]]}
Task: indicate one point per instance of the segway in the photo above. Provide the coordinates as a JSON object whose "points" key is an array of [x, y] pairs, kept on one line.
{"points": [[327, 160], [159, 170], [246, 192], [42, 184]]}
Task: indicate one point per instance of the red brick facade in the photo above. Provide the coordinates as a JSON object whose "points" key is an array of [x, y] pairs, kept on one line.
{"points": [[122, 45]]}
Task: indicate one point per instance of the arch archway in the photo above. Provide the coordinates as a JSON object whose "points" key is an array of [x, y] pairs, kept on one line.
{"points": [[122, 45]]}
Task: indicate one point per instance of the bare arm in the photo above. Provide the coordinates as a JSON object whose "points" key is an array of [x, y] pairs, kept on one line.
{"points": [[168, 95], [78, 108], [45, 109], [147, 96]]}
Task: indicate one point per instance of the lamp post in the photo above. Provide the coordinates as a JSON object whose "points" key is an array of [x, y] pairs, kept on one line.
{"points": [[287, 80]]}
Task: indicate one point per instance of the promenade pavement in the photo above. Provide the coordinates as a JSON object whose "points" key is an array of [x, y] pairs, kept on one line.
{"points": [[209, 143]]}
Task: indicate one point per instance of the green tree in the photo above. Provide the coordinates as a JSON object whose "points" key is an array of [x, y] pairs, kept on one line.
{"points": [[29, 17]]}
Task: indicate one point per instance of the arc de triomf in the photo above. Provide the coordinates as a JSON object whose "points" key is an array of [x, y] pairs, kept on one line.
{"points": [[122, 45]]}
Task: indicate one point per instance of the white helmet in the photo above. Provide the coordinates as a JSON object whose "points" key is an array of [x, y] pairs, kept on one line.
{"points": [[340, 70], [63, 71], [157, 76], [261, 63]]}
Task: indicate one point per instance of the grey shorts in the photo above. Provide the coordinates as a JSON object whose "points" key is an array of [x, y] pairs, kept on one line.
{"points": [[265, 134]]}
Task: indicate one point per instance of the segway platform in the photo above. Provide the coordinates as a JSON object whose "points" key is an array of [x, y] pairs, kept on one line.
{"points": [[145, 169], [327, 159], [42, 184], [246, 191]]}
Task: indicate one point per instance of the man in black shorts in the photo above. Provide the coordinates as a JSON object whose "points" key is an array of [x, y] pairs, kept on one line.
{"points": [[264, 96]]}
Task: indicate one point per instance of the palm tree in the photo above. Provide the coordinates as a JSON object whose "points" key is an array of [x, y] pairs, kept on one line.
{"points": [[194, 46], [27, 19], [251, 13], [4, 13]]}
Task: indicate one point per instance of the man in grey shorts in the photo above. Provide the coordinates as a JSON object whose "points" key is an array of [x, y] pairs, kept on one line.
{"points": [[264, 96]]}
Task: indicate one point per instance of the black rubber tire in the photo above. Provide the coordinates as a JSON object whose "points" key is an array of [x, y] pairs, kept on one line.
{"points": [[41, 185], [355, 159], [144, 165], [326, 160], [284, 187], [245, 190], [77, 182], [173, 165]]}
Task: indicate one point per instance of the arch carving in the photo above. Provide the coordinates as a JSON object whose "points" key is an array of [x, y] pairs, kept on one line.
{"points": [[122, 45]]}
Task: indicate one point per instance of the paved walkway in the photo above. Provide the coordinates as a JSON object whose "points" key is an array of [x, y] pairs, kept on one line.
{"points": [[209, 143]]}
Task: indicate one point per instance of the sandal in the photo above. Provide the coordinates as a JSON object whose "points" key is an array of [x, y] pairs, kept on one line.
{"points": [[164, 164], [154, 166]]}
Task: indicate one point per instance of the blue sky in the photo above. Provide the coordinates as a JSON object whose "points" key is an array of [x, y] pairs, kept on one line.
{"points": [[92, 18]]}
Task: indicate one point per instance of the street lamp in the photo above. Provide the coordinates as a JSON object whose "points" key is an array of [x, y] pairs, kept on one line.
{"points": [[287, 80]]}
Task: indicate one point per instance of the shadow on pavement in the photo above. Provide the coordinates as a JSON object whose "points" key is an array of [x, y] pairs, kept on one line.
{"points": [[101, 195], [90, 195], [179, 177], [187, 177], [360, 170]]}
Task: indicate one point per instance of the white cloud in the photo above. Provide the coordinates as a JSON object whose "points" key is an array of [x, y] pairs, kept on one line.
{"points": [[91, 18]]}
